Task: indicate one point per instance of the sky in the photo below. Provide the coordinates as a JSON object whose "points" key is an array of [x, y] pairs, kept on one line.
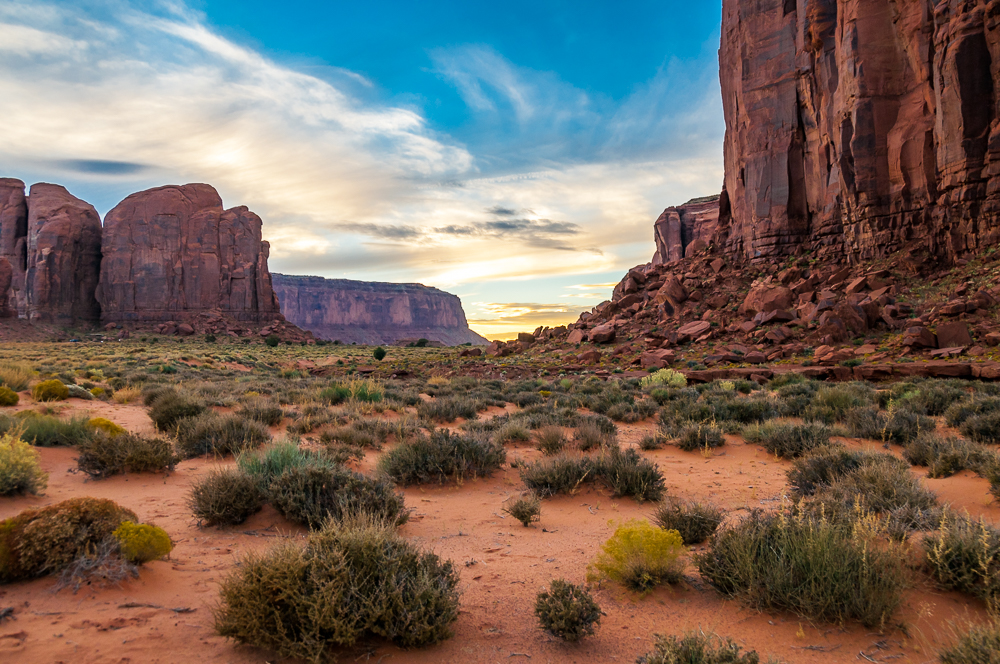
{"points": [[515, 154]]}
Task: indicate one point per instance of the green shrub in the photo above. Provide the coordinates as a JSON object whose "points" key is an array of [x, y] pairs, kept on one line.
{"points": [[352, 581], [964, 555], [210, 433], [567, 611], [311, 495], [272, 340], [140, 543], [15, 375], [106, 455], [883, 484], [335, 394], [984, 428], [20, 472], [265, 411], [627, 473], [512, 432], [105, 425], [225, 498], [48, 431], [816, 568], [794, 399], [822, 466], [8, 397], [786, 440], [665, 377], [449, 409], [930, 398], [550, 440], [945, 456], [441, 456], [526, 509], [695, 521], [979, 645], [266, 465], [589, 437], [831, 403], [560, 474], [896, 426], [169, 408], [639, 556], [960, 411], [50, 390], [44, 541], [652, 442], [379, 354], [699, 437], [697, 648]]}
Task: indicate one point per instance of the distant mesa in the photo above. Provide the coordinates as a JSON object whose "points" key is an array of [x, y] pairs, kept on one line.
{"points": [[372, 313]]}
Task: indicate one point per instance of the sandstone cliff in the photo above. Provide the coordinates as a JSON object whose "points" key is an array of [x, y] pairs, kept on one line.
{"points": [[13, 248], [693, 224], [371, 312], [856, 127], [172, 253]]}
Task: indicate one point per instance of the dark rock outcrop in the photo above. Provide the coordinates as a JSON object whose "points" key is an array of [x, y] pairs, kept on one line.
{"points": [[172, 252], [63, 257], [858, 127], [372, 312], [678, 227], [13, 248]]}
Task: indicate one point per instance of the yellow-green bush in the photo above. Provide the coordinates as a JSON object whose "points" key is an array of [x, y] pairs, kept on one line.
{"points": [[141, 542], [639, 556], [50, 390], [127, 394], [666, 377], [19, 469], [98, 391], [106, 425], [8, 397], [15, 375]]}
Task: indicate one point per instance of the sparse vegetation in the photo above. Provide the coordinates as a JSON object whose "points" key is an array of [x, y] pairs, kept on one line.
{"points": [[313, 495], [440, 457], [980, 644], [8, 397], [567, 611], [105, 455], [697, 648], [787, 440], [526, 509], [210, 433], [15, 376], [695, 521]]}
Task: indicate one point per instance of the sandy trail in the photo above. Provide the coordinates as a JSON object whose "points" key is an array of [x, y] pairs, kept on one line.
{"points": [[502, 567]]}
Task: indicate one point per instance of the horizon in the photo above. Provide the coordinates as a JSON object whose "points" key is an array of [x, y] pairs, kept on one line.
{"points": [[518, 164]]}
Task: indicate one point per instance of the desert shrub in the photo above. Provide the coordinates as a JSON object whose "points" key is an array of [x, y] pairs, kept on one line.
{"points": [[350, 582], [50, 390], [8, 397], [449, 409], [882, 483], [225, 497], [101, 564], [351, 436], [964, 555], [44, 541], [15, 375], [140, 543], [272, 340], [665, 377], [821, 467], [831, 403], [945, 456], [106, 455], [106, 426], [169, 408], [697, 648], [980, 644], [266, 465], [794, 399], [627, 473], [311, 495], [984, 428], [930, 398], [560, 474], [550, 440], [816, 568], [265, 411], [366, 390], [785, 379], [210, 433], [588, 437], [960, 411], [695, 521], [744, 410], [787, 440], [652, 442], [20, 472], [150, 393], [526, 509], [335, 394], [441, 456], [126, 394], [511, 432], [379, 354], [699, 437], [895, 426], [48, 431], [663, 395], [567, 611], [639, 556]]}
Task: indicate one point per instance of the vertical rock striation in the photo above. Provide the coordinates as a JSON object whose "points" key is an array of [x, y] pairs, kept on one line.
{"points": [[857, 127], [172, 252], [63, 252], [695, 222], [13, 248]]}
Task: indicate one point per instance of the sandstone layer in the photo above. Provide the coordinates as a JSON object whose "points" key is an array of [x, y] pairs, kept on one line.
{"points": [[366, 312], [858, 127], [173, 253], [63, 257], [695, 222], [13, 248]]}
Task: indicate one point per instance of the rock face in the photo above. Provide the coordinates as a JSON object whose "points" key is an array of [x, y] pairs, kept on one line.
{"points": [[678, 227], [63, 257], [857, 127], [13, 248], [172, 252], [372, 312]]}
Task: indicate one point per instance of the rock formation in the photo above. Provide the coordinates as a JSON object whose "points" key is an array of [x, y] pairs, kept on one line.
{"points": [[63, 257], [679, 227], [372, 312], [857, 127], [172, 253], [13, 248]]}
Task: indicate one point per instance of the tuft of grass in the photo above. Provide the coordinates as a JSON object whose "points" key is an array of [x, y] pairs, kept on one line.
{"points": [[896, 426], [695, 521], [313, 495], [126, 394], [567, 611], [441, 456], [210, 433], [787, 440], [8, 397], [697, 648], [48, 431], [699, 437], [945, 456], [550, 440], [558, 475], [168, 408], [226, 497], [265, 411], [15, 375], [639, 556], [526, 509], [627, 473], [20, 472], [980, 644], [106, 455], [266, 465], [964, 554], [982, 428]]}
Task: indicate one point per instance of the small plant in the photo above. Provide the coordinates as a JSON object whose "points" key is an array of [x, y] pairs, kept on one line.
{"points": [[627, 473], [526, 509], [225, 498], [210, 433], [639, 556], [665, 377], [379, 354], [48, 431], [589, 437], [567, 611], [140, 543], [106, 426], [8, 397], [652, 442], [272, 340], [560, 474], [788, 441], [103, 455], [168, 408], [50, 390], [964, 555], [267, 465], [550, 440], [695, 521], [20, 472], [15, 375], [312, 495], [700, 436], [265, 411], [441, 456], [697, 648], [979, 645], [896, 426], [335, 394], [983, 428], [126, 394]]}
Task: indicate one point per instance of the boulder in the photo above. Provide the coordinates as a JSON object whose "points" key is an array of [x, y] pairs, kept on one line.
{"points": [[919, 337], [692, 331], [603, 334], [590, 357], [765, 298], [657, 359], [525, 338], [576, 336], [950, 335]]}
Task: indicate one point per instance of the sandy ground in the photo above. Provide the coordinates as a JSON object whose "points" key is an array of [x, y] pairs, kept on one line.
{"points": [[166, 615]]}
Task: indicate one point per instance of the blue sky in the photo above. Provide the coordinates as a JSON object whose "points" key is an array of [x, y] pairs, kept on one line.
{"points": [[516, 156]]}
